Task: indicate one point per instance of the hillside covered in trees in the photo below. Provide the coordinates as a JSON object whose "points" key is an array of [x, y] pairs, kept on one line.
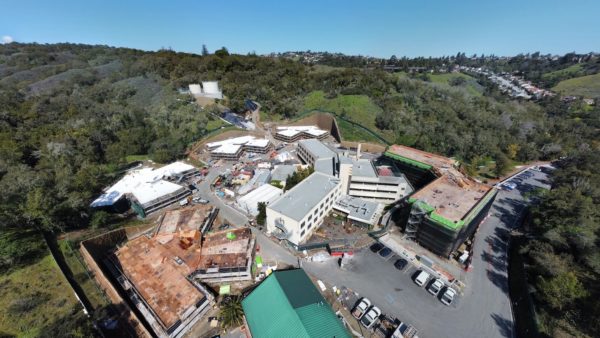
{"points": [[70, 115]]}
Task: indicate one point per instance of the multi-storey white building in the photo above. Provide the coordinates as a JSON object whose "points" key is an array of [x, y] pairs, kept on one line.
{"points": [[312, 150], [364, 182], [296, 214]]}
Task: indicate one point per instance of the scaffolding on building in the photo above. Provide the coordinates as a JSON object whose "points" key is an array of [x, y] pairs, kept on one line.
{"points": [[415, 218]]}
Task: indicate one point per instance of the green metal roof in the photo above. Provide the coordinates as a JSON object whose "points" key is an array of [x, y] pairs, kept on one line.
{"points": [[287, 304], [407, 160]]}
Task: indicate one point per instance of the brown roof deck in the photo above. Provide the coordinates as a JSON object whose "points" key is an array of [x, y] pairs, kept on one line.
{"points": [[218, 250], [435, 160], [153, 271], [452, 196], [175, 221]]}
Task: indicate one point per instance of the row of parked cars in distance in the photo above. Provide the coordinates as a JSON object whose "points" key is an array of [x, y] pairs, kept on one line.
{"points": [[435, 287]]}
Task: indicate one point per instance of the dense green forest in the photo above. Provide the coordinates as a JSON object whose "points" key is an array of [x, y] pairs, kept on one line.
{"points": [[564, 253], [71, 114]]}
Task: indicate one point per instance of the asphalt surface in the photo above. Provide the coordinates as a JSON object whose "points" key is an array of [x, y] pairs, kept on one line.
{"points": [[483, 310], [234, 216], [266, 247]]}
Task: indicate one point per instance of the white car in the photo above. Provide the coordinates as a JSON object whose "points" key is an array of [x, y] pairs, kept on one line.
{"points": [[422, 278], [448, 296], [370, 318], [361, 308], [435, 287]]}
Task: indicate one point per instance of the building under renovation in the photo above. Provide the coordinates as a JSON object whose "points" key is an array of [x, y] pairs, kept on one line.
{"points": [[147, 190], [161, 272], [226, 256], [296, 133], [359, 177], [231, 149], [447, 207]]}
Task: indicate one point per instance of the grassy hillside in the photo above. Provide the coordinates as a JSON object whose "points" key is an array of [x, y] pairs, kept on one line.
{"points": [[470, 86], [33, 298], [571, 71], [357, 108], [586, 86]]}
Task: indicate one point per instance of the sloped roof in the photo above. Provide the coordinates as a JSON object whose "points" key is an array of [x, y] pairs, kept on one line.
{"points": [[287, 304]]}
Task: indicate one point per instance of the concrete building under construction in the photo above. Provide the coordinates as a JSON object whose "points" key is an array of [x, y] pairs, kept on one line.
{"points": [[231, 149], [447, 207], [161, 272], [296, 133], [147, 189]]}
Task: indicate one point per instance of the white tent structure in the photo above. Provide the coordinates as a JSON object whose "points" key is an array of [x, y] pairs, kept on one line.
{"points": [[265, 193]]}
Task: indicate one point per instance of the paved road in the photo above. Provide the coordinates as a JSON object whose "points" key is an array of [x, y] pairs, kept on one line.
{"points": [[268, 248], [232, 215], [483, 311]]}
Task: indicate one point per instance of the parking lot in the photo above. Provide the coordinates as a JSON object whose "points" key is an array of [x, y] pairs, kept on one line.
{"points": [[483, 310]]}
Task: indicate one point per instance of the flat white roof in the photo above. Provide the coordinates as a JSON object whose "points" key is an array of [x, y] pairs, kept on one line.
{"points": [[146, 184], [265, 193], [232, 145], [359, 210], [298, 201], [291, 131]]}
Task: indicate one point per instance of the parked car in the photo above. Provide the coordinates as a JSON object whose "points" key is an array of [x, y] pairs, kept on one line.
{"points": [[422, 278], [400, 264], [435, 287], [509, 185], [361, 308], [405, 331], [200, 200], [385, 252], [370, 318], [376, 247], [448, 296]]}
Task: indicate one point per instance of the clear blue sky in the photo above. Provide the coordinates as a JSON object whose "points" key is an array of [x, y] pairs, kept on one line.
{"points": [[377, 28]]}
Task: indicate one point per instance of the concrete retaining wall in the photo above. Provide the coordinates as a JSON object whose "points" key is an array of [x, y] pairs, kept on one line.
{"points": [[92, 251]]}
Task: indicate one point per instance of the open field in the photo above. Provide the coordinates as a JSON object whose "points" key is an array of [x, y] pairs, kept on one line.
{"points": [[352, 133], [586, 86], [358, 108], [80, 274], [471, 86], [34, 297], [133, 158], [216, 123], [570, 71]]}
